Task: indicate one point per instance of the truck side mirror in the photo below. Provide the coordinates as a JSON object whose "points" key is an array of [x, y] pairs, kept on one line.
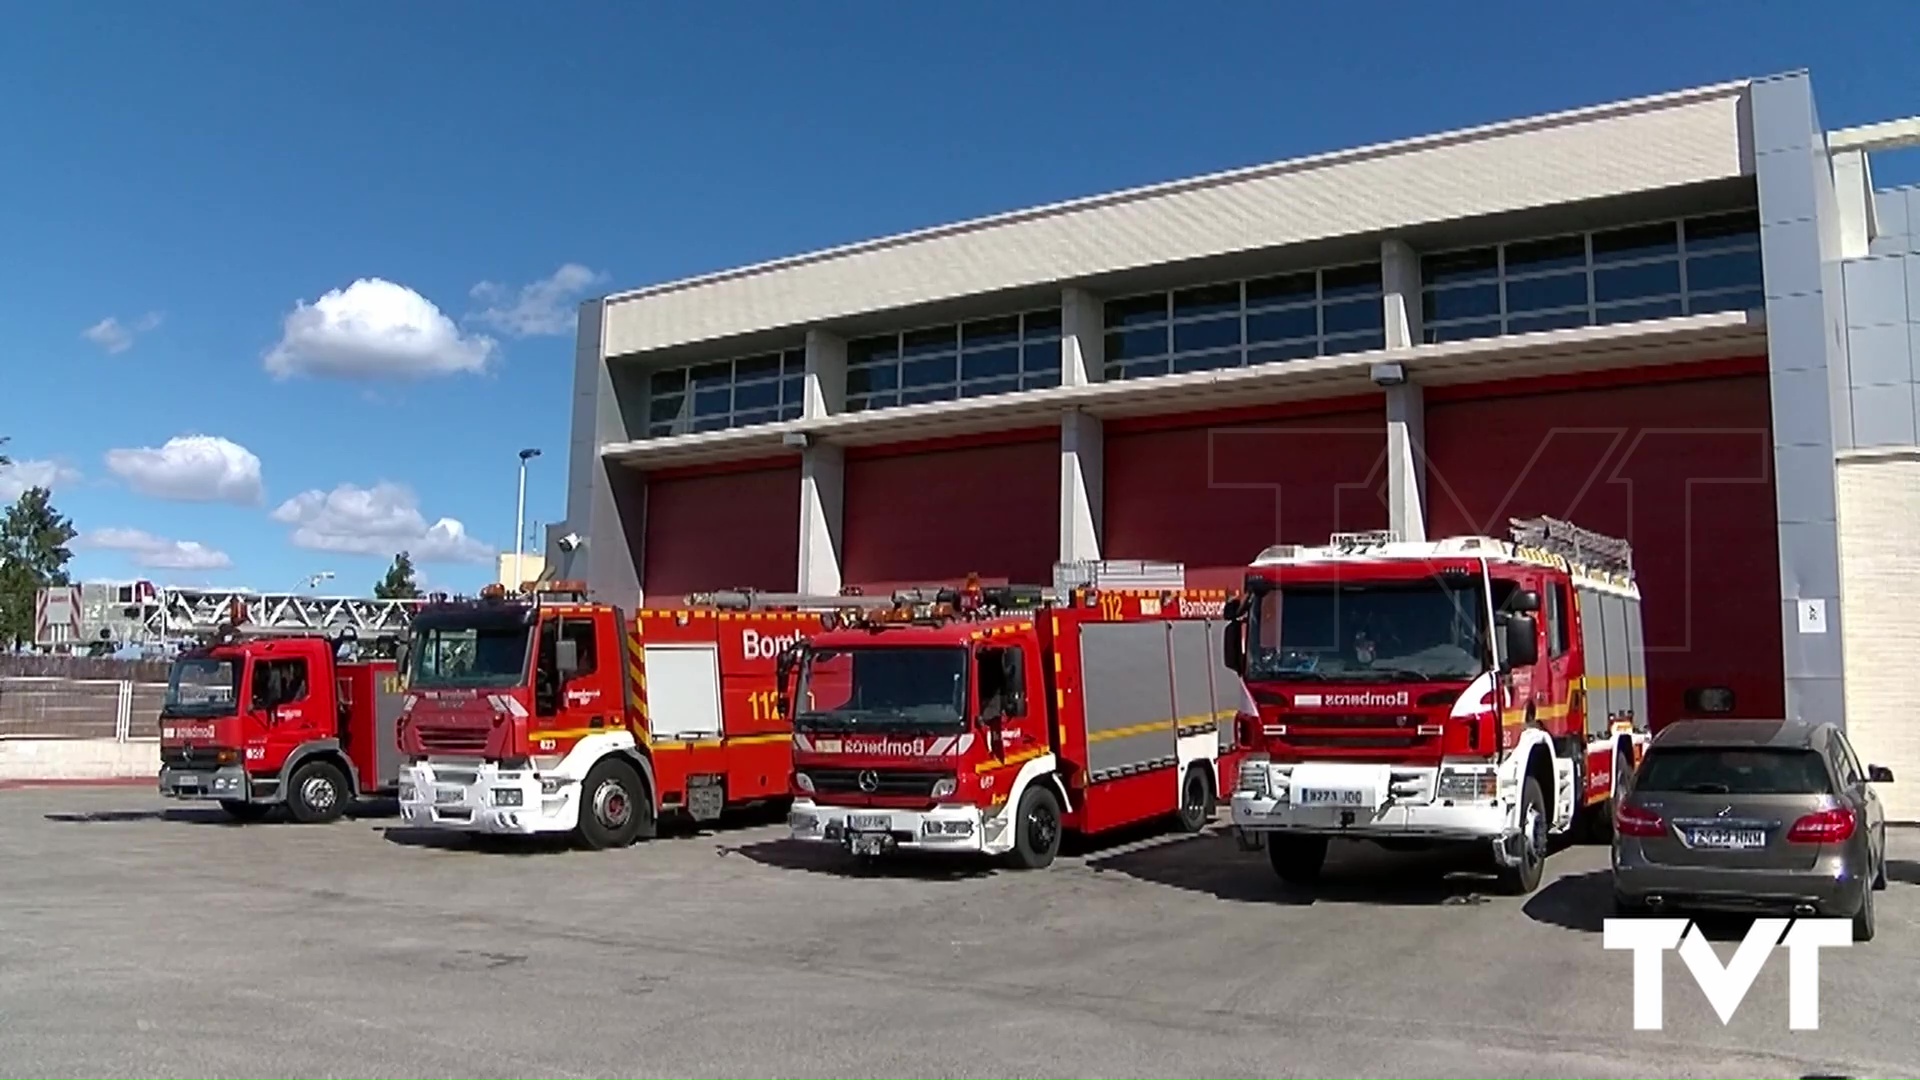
{"points": [[1524, 602], [566, 657], [402, 652], [1522, 647], [1013, 678], [784, 666], [1233, 644]]}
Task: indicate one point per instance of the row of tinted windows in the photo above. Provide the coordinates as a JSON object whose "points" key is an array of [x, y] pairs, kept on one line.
{"points": [[1684, 267], [941, 363], [725, 394], [1231, 324]]}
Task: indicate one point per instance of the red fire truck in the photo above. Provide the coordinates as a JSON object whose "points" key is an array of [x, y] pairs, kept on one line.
{"points": [[993, 720], [1484, 692], [549, 713], [258, 718]]}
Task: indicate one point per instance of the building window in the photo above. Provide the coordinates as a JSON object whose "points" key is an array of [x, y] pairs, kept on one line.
{"points": [[1258, 321], [725, 394], [940, 363], [1684, 267]]}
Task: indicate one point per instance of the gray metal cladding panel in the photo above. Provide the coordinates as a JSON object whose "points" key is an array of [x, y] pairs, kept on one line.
{"points": [[1125, 685], [1193, 695], [1617, 646], [1636, 666], [1600, 665]]}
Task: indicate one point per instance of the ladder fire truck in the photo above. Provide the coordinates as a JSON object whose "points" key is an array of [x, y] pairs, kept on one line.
{"points": [[993, 720], [1485, 692], [547, 712], [260, 715]]}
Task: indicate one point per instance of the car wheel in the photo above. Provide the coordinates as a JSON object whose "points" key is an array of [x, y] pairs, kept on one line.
{"points": [[1524, 877], [1297, 859], [1036, 828], [1196, 799], [1880, 867], [1626, 906], [317, 793], [1863, 918]]}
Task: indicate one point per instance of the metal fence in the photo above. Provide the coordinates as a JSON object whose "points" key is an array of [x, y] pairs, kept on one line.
{"points": [[53, 705]]}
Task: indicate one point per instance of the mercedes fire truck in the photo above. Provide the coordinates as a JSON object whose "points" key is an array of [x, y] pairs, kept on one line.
{"points": [[257, 718], [1474, 691], [994, 720], [546, 712]]}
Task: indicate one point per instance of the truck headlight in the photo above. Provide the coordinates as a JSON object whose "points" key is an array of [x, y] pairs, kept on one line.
{"points": [[803, 782], [944, 787], [1466, 783], [506, 796]]}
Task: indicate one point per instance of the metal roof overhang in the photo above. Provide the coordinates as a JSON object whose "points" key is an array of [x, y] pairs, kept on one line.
{"points": [[1554, 352]]}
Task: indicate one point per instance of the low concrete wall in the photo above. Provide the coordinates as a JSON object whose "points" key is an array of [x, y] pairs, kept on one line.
{"points": [[78, 759]]}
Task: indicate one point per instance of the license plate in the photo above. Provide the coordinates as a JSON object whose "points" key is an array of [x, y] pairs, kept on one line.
{"points": [[1332, 797], [869, 822], [1732, 839], [446, 796], [869, 845]]}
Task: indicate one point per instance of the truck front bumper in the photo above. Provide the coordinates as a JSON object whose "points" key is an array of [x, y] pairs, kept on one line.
{"points": [[877, 830], [1255, 814], [482, 797], [225, 782]]}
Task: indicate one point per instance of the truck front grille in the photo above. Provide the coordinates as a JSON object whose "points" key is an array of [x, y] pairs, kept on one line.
{"points": [[450, 740], [914, 783]]}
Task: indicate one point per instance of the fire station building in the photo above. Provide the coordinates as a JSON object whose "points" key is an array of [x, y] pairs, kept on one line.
{"points": [[1688, 320]]}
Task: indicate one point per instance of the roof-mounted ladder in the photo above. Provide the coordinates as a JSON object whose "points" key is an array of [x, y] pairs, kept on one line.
{"points": [[1583, 547]]}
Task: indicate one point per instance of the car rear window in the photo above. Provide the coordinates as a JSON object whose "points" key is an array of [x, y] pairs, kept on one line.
{"points": [[1734, 771]]}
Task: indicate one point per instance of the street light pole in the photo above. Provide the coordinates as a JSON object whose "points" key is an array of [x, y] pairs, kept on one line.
{"points": [[520, 519]]}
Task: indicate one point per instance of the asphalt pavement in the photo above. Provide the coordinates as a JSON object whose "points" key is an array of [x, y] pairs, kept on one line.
{"points": [[140, 938]]}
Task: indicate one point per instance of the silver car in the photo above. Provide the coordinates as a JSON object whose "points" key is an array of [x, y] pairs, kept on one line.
{"points": [[1752, 815]]}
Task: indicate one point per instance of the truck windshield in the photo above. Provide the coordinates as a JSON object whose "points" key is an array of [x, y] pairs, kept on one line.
{"points": [[478, 657], [1408, 631], [886, 689], [202, 686]]}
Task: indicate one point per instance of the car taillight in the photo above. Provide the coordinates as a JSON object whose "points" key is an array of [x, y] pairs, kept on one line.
{"points": [[1631, 820], [1825, 827]]}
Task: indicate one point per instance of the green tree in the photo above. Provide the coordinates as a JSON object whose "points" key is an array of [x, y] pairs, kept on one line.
{"points": [[399, 583], [33, 555]]}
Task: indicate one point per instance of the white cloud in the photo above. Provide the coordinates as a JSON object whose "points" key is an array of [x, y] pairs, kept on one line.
{"points": [[375, 329], [380, 520], [546, 307], [153, 552], [16, 478], [192, 468], [117, 337]]}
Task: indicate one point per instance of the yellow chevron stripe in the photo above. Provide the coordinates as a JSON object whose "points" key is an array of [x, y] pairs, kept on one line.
{"points": [[1012, 759], [1610, 682]]}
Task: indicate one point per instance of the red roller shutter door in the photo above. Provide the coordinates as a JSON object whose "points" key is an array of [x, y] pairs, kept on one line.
{"points": [[1214, 496], [1682, 469], [938, 514], [717, 530]]}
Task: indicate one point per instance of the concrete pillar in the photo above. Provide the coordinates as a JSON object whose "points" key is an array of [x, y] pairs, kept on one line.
{"points": [[606, 503], [1406, 460], [826, 375], [1083, 343], [1082, 469], [823, 471], [1400, 282]]}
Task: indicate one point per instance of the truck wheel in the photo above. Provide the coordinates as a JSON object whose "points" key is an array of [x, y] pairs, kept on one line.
{"points": [[1036, 828], [1523, 878], [1297, 859], [317, 793], [1196, 799], [615, 806], [242, 810]]}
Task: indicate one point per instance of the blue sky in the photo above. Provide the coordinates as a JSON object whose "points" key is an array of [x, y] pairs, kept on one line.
{"points": [[215, 177]]}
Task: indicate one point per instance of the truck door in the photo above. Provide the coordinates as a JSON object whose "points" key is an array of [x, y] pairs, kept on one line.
{"points": [[282, 710], [580, 703], [1021, 731], [1559, 657]]}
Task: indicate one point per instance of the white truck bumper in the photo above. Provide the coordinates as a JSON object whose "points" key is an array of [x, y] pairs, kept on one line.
{"points": [[875, 831], [1360, 801], [482, 797]]}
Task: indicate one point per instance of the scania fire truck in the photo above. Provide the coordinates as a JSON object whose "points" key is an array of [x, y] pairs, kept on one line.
{"points": [[1472, 690], [547, 712], [257, 717], [992, 720]]}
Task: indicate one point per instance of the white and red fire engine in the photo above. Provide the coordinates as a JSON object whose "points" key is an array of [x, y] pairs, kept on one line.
{"points": [[1469, 690], [993, 720], [549, 713]]}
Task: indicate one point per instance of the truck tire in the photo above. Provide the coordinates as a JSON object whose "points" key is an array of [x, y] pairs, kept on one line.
{"points": [[1036, 828], [615, 806], [1524, 877], [1297, 859], [318, 793], [1196, 798], [242, 810]]}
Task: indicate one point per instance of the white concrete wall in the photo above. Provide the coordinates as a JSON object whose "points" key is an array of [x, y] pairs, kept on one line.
{"points": [[78, 759]]}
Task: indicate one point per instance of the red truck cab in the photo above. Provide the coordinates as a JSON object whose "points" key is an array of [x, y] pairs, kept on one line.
{"points": [[255, 722]]}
